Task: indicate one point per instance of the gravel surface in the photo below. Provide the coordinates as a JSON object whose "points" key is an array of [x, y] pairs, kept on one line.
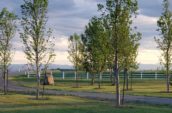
{"points": [[97, 96]]}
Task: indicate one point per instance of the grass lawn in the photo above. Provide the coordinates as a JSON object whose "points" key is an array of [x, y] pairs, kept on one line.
{"points": [[16, 103], [140, 87]]}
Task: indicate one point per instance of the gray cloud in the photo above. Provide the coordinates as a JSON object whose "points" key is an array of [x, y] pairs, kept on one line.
{"points": [[150, 7], [69, 16]]}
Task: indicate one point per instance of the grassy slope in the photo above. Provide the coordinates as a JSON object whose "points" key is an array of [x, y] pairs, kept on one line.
{"points": [[16, 103], [140, 87]]}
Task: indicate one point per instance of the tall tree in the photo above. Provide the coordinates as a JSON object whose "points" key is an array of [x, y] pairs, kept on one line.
{"points": [[36, 38], [95, 41], [49, 59], [7, 32], [165, 41], [75, 55], [128, 57], [116, 10], [110, 56]]}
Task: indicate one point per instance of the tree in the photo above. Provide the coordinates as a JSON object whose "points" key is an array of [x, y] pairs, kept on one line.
{"points": [[128, 47], [95, 41], [7, 32], [128, 57], [36, 38], [50, 58], [75, 55], [131, 55], [165, 41], [110, 51], [116, 11]]}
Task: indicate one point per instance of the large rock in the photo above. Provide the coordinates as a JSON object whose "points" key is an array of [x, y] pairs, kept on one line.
{"points": [[49, 79]]}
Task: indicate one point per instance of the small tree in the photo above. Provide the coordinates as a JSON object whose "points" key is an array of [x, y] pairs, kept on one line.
{"points": [[116, 11], [50, 58], [110, 51], [36, 38], [75, 55], [130, 62], [7, 32], [128, 57], [165, 41], [95, 41]]}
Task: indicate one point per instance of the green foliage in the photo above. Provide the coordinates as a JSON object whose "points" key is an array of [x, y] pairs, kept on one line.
{"points": [[129, 51], [96, 52], [118, 14], [37, 40], [165, 41], [75, 55], [35, 36], [95, 42], [7, 32]]}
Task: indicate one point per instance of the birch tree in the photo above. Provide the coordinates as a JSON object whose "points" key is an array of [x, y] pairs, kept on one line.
{"points": [[165, 41], [7, 33], [35, 36], [116, 11], [75, 55], [50, 57], [128, 57]]}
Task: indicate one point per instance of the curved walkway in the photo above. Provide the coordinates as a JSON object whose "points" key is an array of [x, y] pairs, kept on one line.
{"points": [[91, 95]]}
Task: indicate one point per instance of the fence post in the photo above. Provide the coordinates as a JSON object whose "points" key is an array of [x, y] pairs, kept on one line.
{"points": [[100, 76], [75, 75], [63, 75], [141, 75], [28, 74], [131, 80], [87, 76], [156, 76]]}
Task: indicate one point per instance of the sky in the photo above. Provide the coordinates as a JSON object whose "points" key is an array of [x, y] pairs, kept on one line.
{"points": [[66, 17]]}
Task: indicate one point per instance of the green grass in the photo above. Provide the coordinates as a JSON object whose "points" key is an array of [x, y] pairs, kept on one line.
{"points": [[16, 103], [140, 87]]}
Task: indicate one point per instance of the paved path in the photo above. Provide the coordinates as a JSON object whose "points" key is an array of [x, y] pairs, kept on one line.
{"points": [[91, 95]]}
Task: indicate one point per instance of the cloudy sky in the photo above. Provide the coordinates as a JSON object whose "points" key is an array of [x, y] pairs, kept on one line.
{"points": [[69, 16]]}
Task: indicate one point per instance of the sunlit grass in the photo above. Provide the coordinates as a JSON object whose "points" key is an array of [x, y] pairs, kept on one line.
{"points": [[16, 103]]}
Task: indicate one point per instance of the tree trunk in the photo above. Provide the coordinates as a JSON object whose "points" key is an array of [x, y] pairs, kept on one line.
{"points": [[110, 72], [131, 79], [116, 75], [44, 82], [5, 83], [76, 80], [5, 79], [92, 79], [167, 71], [99, 84], [38, 78], [38, 86], [168, 83], [168, 79], [124, 78], [127, 80], [111, 77]]}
